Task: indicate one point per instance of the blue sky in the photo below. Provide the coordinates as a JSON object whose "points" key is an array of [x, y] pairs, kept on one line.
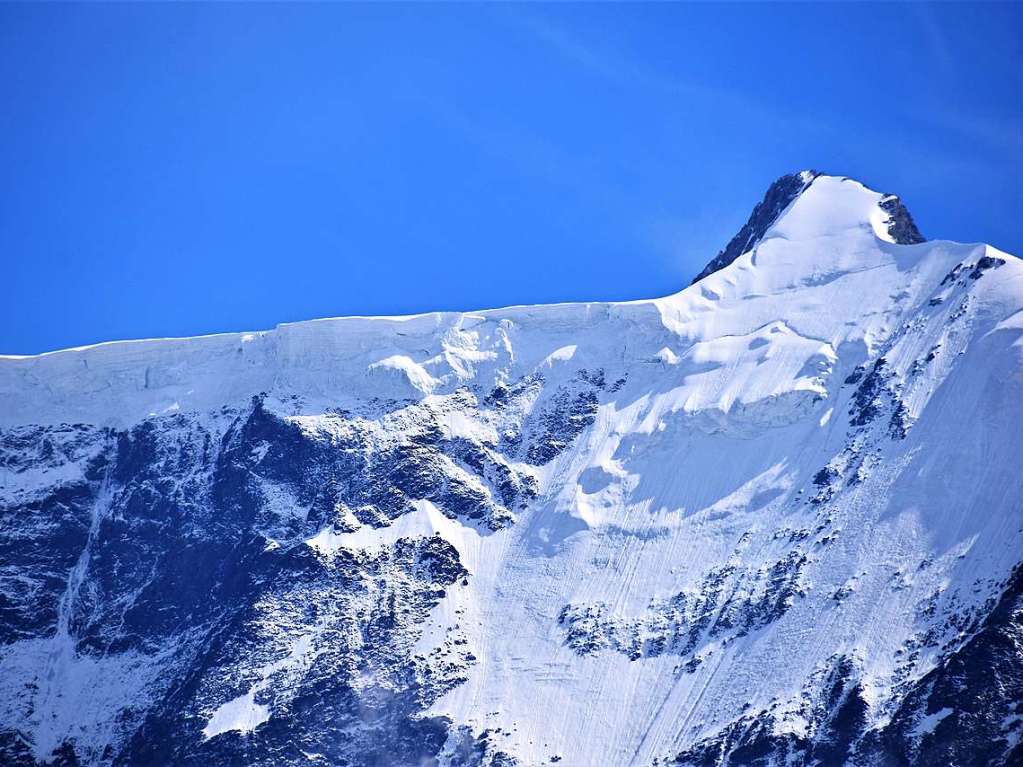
{"points": [[186, 169]]}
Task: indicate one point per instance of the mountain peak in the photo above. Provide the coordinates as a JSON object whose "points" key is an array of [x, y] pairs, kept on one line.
{"points": [[887, 215], [228, 549]]}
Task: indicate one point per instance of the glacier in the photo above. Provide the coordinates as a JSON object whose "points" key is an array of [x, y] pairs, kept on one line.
{"points": [[775, 518]]}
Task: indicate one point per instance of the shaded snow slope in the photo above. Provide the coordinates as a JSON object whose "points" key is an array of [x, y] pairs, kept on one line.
{"points": [[757, 519]]}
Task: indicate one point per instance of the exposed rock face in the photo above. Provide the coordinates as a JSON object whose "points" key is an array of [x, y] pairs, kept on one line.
{"points": [[771, 520], [900, 223], [946, 718], [184, 560], [727, 604], [779, 196]]}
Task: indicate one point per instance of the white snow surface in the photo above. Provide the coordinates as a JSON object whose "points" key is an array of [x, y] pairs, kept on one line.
{"points": [[242, 714], [733, 400], [820, 279]]}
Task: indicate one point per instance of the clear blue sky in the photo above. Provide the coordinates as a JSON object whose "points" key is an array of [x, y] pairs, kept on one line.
{"points": [[185, 169]]}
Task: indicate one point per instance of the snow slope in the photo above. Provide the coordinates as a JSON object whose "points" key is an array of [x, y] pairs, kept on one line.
{"points": [[756, 519]]}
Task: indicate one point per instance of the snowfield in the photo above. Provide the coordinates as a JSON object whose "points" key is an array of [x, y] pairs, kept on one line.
{"points": [[775, 518]]}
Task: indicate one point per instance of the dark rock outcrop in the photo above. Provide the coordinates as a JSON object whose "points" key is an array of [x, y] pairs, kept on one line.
{"points": [[779, 196]]}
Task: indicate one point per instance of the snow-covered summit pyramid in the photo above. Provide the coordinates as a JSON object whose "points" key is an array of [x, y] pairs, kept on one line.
{"points": [[774, 518], [886, 215]]}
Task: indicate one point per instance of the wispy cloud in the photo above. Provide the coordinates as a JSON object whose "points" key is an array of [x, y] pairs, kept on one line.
{"points": [[630, 71]]}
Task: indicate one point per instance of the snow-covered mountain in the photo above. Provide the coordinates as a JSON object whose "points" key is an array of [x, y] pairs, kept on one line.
{"points": [[776, 518]]}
